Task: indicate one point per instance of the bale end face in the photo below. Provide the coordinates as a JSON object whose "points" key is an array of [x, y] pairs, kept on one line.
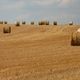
{"points": [[7, 30], [73, 42]]}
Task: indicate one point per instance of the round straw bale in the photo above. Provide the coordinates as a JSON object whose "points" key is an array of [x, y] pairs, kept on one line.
{"points": [[75, 39], [17, 23], [23, 22], [32, 23], [55, 23], [43, 23], [7, 30], [71, 23]]}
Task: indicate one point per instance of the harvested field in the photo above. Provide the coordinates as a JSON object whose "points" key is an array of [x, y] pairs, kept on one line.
{"points": [[39, 52]]}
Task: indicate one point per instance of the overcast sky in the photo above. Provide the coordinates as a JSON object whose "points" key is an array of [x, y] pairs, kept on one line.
{"points": [[36, 10]]}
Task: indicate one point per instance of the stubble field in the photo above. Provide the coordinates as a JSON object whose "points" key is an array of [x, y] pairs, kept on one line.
{"points": [[32, 52]]}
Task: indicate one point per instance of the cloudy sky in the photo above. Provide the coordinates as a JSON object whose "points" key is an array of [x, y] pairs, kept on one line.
{"points": [[36, 10]]}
